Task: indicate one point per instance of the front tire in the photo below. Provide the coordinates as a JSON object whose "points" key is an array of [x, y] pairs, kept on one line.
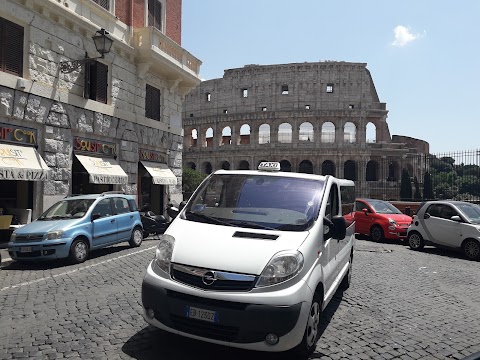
{"points": [[415, 241], [312, 329], [136, 238], [376, 233], [471, 249], [79, 251]]}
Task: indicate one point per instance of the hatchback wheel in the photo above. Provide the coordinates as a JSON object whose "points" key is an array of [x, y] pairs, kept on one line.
{"points": [[376, 233], [471, 249], [79, 251], [136, 238], [415, 241]]}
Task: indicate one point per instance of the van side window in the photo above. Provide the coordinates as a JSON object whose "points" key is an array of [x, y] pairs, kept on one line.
{"points": [[347, 194], [332, 203]]}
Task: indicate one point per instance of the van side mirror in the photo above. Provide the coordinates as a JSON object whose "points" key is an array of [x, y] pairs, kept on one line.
{"points": [[335, 228], [96, 216]]}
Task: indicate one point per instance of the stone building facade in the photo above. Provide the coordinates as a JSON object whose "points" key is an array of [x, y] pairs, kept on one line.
{"points": [[322, 118], [128, 122]]}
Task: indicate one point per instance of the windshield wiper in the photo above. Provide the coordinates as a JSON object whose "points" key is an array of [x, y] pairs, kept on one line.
{"points": [[252, 225], [206, 217]]}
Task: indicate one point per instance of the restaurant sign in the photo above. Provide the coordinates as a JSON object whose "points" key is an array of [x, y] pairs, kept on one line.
{"points": [[90, 146], [17, 134], [150, 155]]}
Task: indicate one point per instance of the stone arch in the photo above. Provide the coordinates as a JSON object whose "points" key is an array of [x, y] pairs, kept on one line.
{"points": [[243, 165], [191, 165], [225, 165], [349, 133], [328, 168], [409, 167], [371, 133], [209, 137], [264, 134], [372, 171], [285, 133], [207, 167], [305, 132], [226, 136], [244, 138], [305, 167], [350, 170], [393, 171], [193, 137], [285, 166], [328, 133]]}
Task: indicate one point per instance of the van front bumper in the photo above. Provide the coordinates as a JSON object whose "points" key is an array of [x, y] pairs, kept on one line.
{"points": [[238, 324]]}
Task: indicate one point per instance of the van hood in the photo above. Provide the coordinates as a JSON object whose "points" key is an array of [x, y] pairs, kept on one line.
{"points": [[229, 248], [44, 226]]}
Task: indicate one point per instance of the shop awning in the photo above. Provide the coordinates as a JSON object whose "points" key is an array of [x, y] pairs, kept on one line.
{"points": [[160, 173], [103, 170], [21, 163]]}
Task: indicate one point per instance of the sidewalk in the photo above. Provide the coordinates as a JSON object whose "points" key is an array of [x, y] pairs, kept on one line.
{"points": [[6, 260]]}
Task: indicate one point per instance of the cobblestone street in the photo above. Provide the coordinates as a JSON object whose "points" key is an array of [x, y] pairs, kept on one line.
{"points": [[401, 305]]}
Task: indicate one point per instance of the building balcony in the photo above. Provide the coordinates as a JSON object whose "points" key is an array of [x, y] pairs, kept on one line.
{"points": [[160, 54]]}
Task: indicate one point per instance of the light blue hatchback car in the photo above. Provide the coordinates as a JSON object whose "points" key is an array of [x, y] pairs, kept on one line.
{"points": [[76, 225]]}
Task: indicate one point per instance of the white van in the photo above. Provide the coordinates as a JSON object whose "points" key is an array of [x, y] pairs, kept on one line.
{"points": [[253, 259]]}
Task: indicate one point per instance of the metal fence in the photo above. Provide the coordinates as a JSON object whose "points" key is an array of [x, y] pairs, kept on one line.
{"points": [[451, 175]]}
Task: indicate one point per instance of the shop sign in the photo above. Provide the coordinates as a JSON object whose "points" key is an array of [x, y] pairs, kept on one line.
{"points": [[94, 147], [18, 134], [150, 155]]}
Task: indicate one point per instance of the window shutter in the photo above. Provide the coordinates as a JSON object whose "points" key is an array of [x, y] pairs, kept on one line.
{"points": [[12, 47], [87, 86], [101, 82], [152, 103]]}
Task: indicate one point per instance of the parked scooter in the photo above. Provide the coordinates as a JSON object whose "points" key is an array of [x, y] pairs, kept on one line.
{"points": [[152, 224]]}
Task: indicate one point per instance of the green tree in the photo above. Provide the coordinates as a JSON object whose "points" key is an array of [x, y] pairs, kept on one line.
{"points": [[416, 196], [190, 180], [427, 187], [405, 186]]}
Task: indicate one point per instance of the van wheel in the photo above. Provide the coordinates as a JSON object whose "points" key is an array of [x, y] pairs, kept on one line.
{"points": [[136, 238], [376, 233], [78, 251], [312, 330], [415, 241], [347, 279], [471, 249]]}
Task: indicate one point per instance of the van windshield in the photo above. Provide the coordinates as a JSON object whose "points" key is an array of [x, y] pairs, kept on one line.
{"points": [[67, 209], [257, 201]]}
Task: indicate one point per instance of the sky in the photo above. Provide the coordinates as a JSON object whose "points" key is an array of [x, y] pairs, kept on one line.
{"points": [[424, 55]]}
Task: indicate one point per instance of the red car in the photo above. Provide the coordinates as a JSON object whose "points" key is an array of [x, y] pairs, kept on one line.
{"points": [[379, 219]]}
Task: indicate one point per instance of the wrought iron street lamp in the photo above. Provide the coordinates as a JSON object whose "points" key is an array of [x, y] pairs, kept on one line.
{"points": [[103, 44]]}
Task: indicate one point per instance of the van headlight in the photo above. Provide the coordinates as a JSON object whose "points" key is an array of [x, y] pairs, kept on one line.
{"points": [[163, 254], [53, 235], [283, 266]]}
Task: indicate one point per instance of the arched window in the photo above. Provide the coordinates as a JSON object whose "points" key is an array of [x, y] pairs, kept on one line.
{"points": [[243, 165], [371, 133], [285, 133], [226, 136], [372, 171], [264, 134], [328, 168], [350, 133], [191, 165], [350, 170], [225, 165], [194, 137], [393, 171], [244, 135], [305, 167], [209, 137], [306, 132], [328, 133], [285, 166], [207, 167]]}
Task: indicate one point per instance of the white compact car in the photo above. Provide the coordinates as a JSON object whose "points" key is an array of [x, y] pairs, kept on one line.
{"points": [[452, 224], [253, 259]]}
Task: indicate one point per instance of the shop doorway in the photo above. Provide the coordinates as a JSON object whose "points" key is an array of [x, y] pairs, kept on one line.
{"points": [[81, 181], [16, 194], [150, 193]]}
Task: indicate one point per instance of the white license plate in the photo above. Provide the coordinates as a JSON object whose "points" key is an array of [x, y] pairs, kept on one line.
{"points": [[26, 249], [201, 314]]}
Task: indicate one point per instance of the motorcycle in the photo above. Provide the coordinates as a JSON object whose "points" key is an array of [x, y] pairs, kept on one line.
{"points": [[152, 224]]}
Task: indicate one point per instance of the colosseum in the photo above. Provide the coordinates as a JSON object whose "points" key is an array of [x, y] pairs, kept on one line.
{"points": [[321, 118]]}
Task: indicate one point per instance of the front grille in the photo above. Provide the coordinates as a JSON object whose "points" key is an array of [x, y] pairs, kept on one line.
{"points": [[29, 238], [204, 328]]}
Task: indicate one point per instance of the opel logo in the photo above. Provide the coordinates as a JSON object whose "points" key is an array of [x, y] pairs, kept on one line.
{"points": [[209, 277]]}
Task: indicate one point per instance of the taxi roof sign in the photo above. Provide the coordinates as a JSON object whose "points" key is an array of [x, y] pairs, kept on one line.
{"points": [[269, 166]]}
